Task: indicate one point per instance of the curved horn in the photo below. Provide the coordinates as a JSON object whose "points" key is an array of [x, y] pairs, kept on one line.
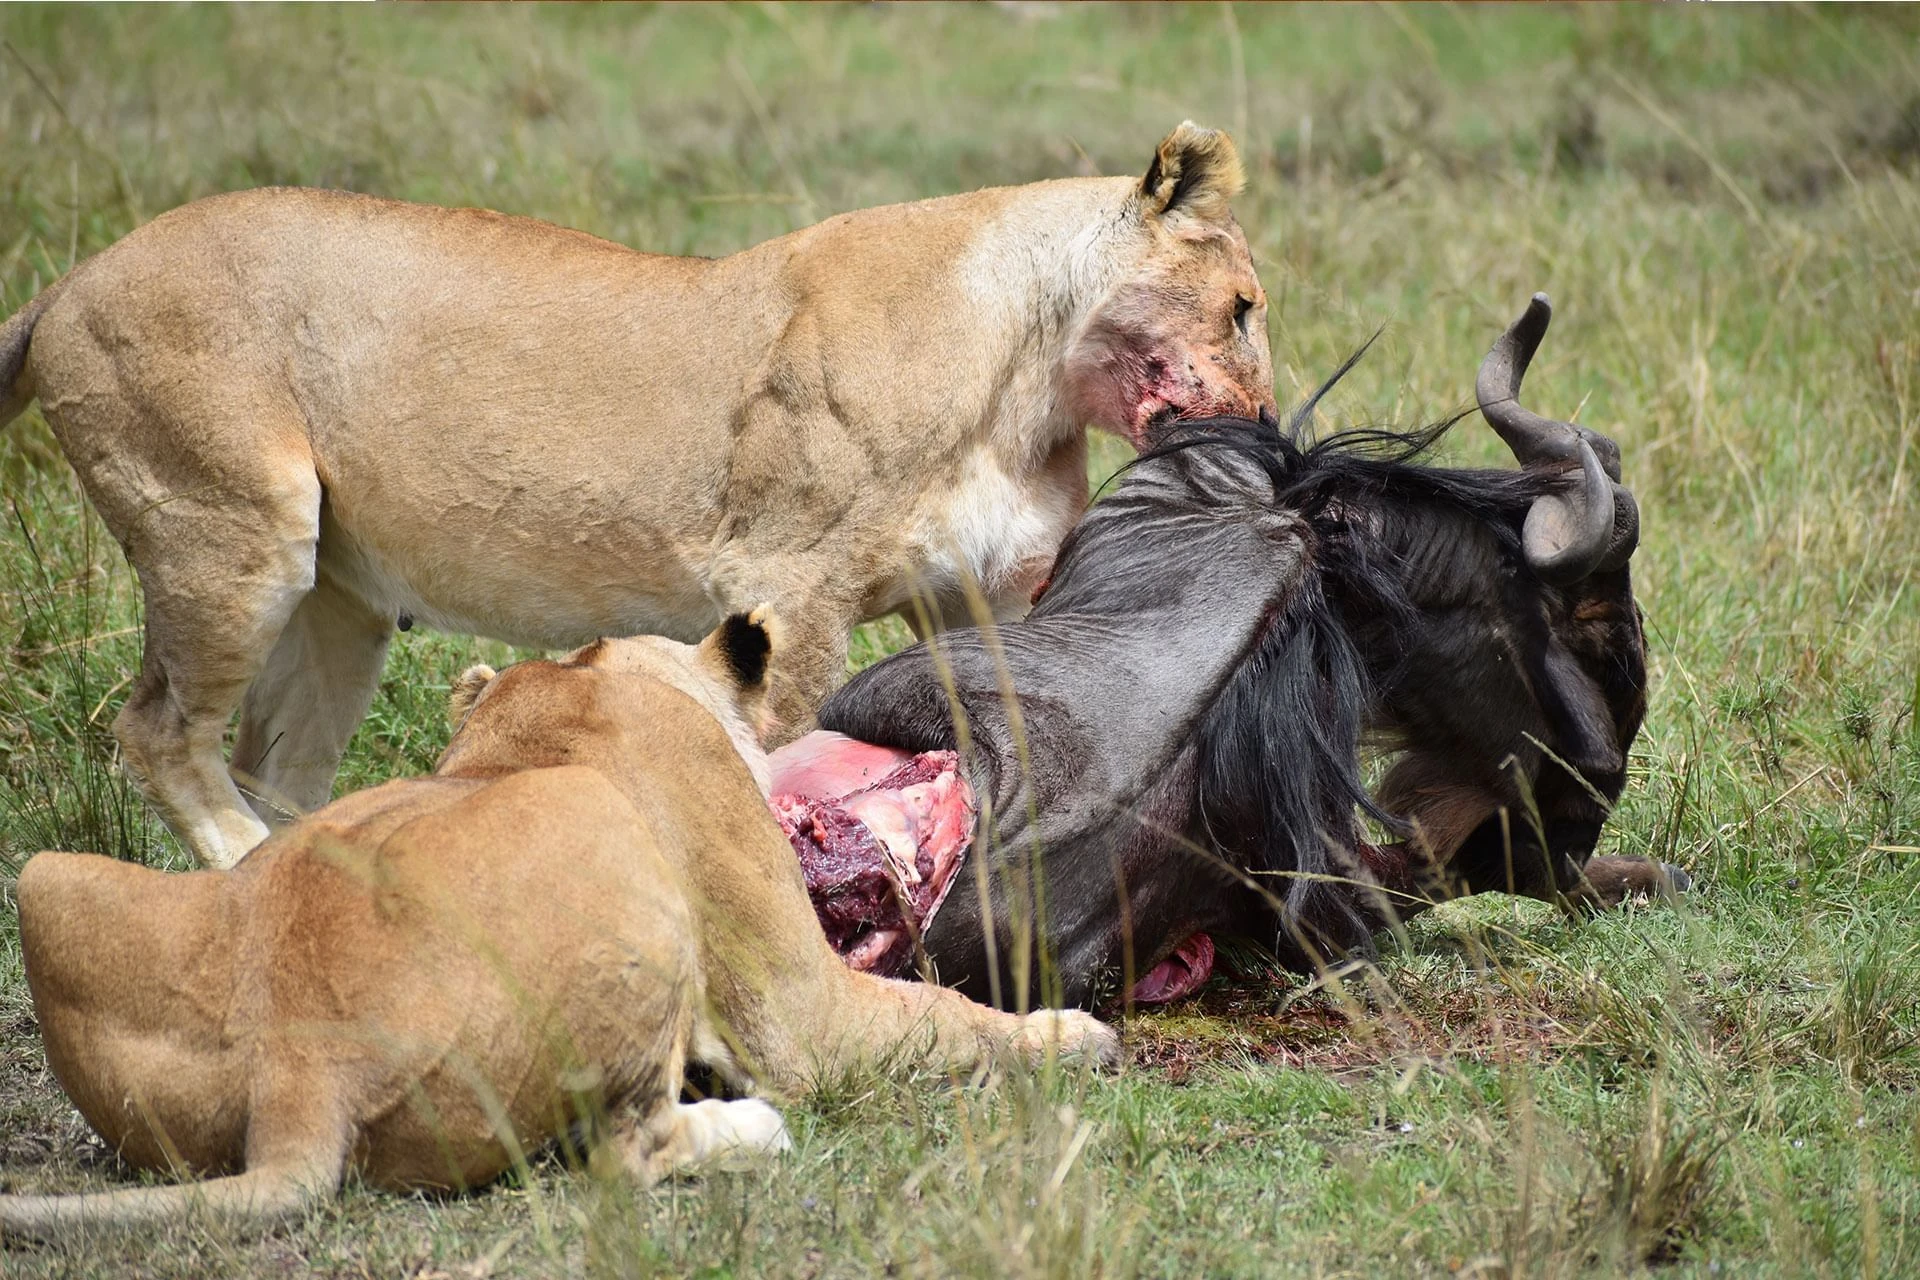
{"points": [[1533, 439], [1596, 524], [1626, 531], [1567, 535]]}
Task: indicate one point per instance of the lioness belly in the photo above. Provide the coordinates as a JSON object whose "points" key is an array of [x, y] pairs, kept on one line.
{"points": [[496, 580]]}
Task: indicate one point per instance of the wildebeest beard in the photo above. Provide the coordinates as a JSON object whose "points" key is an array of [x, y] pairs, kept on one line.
{"points": [[1170, 744]]}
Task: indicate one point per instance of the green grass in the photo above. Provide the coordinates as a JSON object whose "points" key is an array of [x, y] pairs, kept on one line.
{"points": [[1723, 205]]}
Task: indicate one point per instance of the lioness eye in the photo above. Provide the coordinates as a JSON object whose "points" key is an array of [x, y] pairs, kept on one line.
{"points": [[1241, 306]]}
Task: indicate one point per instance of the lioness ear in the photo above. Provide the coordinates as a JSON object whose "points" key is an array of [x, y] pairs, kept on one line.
{"points": [[466, 691], [741, 646], [1195, 172]]}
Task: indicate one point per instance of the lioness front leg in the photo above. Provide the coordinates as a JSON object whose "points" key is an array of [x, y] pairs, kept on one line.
{"points": [[895, 1010], [826, 1018], [793, 1012]]}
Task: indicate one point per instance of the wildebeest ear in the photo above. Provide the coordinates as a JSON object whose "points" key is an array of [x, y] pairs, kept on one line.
{"points": [[742, 645], [466, 691], [1195, 172]]}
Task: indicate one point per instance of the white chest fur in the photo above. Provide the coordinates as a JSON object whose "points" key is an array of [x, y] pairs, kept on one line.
{"points": [[997, 530]]}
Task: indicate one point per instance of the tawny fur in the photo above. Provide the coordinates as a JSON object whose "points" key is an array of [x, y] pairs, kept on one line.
{"points": [[428, 980], [306, 414]]}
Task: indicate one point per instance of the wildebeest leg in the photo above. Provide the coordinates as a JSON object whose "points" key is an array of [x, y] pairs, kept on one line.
{"points": [[303, 707], [1445, 809], [1505, 855], [1408, 882], [1611, 881]]}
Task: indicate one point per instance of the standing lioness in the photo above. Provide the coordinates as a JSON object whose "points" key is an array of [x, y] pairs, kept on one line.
{"points": [[306, 415], [425, 980]]}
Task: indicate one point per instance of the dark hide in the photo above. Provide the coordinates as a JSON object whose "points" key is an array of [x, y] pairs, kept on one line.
{"points": [[1190, 695], [1086, 775], [1435, 641]]}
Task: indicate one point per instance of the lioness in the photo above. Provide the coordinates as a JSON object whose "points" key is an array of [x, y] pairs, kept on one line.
{"points": [[308, 415], [425, 980]]}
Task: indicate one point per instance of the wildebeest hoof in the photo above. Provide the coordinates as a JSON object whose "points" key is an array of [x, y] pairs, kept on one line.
{"points": [[1661, 882]]}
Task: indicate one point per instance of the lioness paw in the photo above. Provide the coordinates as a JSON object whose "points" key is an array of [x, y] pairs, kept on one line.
{"points": [[736, 1134], [1071, 1034]]}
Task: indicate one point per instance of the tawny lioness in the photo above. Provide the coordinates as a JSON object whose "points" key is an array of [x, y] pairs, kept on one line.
{"points": [[422, 980], [306, 415]]}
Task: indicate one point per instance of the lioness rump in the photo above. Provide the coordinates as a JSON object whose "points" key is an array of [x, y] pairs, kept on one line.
{"points": [[308, 414], [424, 980]]}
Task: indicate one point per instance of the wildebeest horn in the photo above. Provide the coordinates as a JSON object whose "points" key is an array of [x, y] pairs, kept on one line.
{"points": [[1594, 526]]}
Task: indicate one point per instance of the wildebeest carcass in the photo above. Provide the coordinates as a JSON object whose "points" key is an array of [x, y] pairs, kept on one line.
{"points": [[1170, 745]]}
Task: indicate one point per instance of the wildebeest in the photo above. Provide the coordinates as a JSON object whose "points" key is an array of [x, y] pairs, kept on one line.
{"points": [[1170, 745]]}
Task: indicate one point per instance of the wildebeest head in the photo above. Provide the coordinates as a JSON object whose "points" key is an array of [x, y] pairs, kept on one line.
{"points": [[1483, 624], [1171, 742]]}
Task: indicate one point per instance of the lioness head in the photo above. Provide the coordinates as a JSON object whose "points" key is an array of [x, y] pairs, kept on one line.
{"points": [[726, 673], [1184, 332]]}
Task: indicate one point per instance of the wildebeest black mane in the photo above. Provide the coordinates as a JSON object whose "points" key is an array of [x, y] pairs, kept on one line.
{"points": [[1279, 778]]}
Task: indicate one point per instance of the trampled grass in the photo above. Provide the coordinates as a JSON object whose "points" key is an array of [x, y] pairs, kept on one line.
{"points": [[1723, 205]]}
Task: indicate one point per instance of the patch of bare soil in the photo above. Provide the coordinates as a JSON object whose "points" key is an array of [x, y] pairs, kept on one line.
{"points": [[41, 1136], [1242, 1020]]}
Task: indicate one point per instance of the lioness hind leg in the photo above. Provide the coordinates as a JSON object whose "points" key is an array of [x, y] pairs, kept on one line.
{"points": [[309, 697], [219, 583], [709, 1134]]}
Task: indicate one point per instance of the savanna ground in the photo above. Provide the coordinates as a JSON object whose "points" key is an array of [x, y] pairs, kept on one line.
{"points": [[1724, 206]]}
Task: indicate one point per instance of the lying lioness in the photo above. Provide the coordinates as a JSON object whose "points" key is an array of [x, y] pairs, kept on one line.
{"points": [[309, 416], [426, 980]]}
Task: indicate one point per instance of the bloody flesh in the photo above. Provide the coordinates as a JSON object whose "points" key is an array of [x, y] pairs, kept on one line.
{"points": [[881, 834]]}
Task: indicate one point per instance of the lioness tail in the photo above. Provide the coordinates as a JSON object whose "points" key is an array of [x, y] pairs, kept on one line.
{"points": [[15, 337], [257, 1199]]}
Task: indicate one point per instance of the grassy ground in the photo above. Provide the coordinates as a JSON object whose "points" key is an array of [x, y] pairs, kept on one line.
{"points": [[1723, 205]]}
